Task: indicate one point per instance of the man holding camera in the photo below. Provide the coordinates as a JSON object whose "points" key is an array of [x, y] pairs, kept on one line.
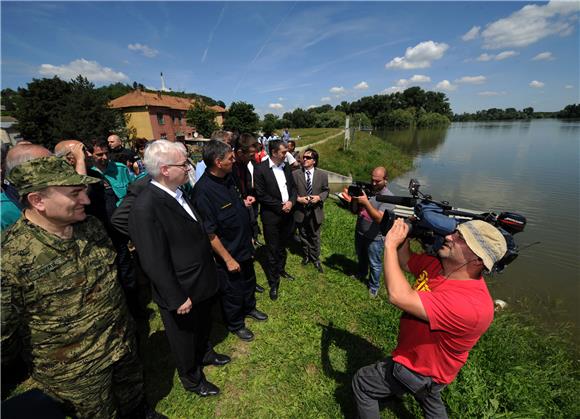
{"points": [[445, 314], [368, 240]]}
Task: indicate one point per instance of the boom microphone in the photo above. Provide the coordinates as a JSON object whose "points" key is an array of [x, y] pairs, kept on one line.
{"points": [[397, 200]]}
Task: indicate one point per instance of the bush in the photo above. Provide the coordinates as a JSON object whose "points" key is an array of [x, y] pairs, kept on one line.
{"points": [[432, 119]]}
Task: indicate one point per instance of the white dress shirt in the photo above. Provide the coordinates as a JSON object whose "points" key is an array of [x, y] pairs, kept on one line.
{"points": [[280, 179], [178, 196], [311, 170]]}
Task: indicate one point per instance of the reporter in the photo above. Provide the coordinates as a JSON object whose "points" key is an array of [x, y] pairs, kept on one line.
{"points": [[445, 313]]}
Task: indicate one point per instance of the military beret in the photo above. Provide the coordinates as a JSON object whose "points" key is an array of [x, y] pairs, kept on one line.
{"points": [[35, 175]]}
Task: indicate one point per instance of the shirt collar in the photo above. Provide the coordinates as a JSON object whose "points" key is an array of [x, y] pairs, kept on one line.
{"points": [[272, 164], [177, 194]]}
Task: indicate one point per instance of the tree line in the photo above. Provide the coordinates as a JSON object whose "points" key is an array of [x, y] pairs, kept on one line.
{"points": [[511, 114]]}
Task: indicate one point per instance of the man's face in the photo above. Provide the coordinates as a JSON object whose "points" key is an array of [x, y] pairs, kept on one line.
{"points": [[456, 249], [64, 205], [279, 155], [246, 156], [227, 163], [291, 147], [177, 170], [114, 141], [101, 157], [307, 160], [378, 180]]}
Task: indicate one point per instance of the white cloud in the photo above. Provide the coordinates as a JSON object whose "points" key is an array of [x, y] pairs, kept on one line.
{"points": [[311, 106], [416, 79], [337, 90], [471, 34], [497, 57], [530, 24], [389, 90], [543, 56], [325, 99], [505, 54], [446, 85], [490, 93], [92, 70], [363, 85], [536, 84], [568, 86], [147, 51], [281, 99], [419, 56], [471, 80], [275, 106]]}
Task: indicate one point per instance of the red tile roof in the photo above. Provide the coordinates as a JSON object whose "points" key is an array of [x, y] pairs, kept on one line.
{"points": [[139, 98]]}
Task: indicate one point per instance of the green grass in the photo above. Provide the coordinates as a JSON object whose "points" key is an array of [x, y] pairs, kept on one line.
{"points": [[311, 135], [365, 153]]}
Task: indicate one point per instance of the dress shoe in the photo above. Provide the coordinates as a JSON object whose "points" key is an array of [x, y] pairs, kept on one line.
{"points": [[259, 288], [219, 360], [244, 334], [286, 275], [258, 315], [274, 293], [305, 260], [318, 266], [205, 389]]}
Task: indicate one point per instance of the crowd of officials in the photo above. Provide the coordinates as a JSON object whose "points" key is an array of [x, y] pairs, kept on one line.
{"points": [[82, 223]]}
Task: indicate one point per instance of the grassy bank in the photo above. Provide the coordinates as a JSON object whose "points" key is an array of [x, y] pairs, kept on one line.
{"points": [[311, 135], [366, 152]]}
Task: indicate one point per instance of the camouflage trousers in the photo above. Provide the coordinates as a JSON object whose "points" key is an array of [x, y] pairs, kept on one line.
{"points": [[113, 392]]}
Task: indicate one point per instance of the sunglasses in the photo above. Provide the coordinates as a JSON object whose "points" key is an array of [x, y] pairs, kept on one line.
{"points": [[307, 158]]}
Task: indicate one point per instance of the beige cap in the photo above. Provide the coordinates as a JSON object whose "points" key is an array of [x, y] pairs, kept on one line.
{"points": [[484, 240]]}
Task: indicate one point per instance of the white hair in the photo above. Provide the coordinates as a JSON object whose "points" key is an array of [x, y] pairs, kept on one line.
{"points": [[159, 153]]}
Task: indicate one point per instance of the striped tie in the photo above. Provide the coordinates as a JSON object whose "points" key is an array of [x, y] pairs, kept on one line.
{"points": [[308, 184]]}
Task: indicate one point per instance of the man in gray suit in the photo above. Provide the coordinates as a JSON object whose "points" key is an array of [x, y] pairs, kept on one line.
{"points": [[312, 188]]}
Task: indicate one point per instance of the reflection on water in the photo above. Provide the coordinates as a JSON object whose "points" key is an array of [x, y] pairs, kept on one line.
{"points": [[529, 167]]}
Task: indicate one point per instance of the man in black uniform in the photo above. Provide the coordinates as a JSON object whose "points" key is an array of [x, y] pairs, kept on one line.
{"points": [[227, 222]]}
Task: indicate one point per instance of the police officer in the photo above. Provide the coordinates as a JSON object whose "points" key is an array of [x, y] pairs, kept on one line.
{"points": [[62, 306], [227, 221]]}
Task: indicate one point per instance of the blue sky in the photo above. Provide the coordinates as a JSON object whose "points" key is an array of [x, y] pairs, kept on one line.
{"points": [[283, 55]]}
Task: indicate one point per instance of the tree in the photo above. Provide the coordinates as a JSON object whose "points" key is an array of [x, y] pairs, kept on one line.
{"points": [[241, 117], [270, 123], [9, 101], [49, 110], [202, 118]]}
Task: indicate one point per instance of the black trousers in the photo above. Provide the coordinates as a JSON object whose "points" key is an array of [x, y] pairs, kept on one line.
{"points": [[238, 296], [309, 232], [188, 336], [277, 237]]}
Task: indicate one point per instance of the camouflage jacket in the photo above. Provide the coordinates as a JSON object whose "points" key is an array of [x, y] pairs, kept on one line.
{"points": [[61, 301]]}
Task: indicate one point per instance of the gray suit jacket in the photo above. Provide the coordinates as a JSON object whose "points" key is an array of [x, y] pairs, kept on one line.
{"points": [[319, 187]]}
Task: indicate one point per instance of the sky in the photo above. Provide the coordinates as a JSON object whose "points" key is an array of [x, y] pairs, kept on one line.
{"points": [[282, 55]]}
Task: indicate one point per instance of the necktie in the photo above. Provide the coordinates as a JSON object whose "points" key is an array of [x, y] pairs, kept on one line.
{"points": [[308, 184]]}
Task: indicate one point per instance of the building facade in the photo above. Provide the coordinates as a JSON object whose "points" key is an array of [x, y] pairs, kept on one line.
{"points": [[156, 116]]}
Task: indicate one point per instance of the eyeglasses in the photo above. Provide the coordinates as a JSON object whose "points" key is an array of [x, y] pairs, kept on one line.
{"points": [[184, 165], [307, 158]]}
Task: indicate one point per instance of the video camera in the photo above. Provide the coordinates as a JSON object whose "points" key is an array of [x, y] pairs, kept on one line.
{"points": [[357, 188], [432, 221]]}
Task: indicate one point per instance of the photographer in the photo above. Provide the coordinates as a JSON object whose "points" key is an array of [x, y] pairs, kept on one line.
{"points": [[368, 240], [445, 314]]}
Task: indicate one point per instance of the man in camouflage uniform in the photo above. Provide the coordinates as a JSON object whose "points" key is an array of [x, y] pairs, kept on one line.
{"points": [[62, 306]]}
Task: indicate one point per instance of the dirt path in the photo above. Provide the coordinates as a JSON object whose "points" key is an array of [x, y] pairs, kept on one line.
{"points": [[304, 147]]}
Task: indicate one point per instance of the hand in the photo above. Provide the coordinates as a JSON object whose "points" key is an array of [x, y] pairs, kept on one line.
{"points": [[135, 168], [78, 151], [233, 265], [287, 206], [249, 201], [362, 200], [302, 200], [185, 307], [397, 234], [314, 199]]}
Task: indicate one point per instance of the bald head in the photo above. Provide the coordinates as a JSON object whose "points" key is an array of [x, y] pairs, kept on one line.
{"points": [[114, 141], [379, 178], [24, 152]]}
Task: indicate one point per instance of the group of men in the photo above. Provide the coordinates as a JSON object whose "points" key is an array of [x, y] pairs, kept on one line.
{"points": [[62, 282]]}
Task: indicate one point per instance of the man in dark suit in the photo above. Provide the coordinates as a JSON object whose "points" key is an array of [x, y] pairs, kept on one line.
{"points": [[312, 189], [176, 256], [276, 193]]}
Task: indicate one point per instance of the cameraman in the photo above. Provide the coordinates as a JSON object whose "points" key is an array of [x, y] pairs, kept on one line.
{"points": [[445, 314], [368, 241]]}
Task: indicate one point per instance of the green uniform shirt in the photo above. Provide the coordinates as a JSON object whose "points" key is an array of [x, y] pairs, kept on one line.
{"points": [[61, 300]]}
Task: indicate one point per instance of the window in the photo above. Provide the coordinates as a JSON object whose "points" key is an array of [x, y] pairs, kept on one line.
{"points": [[160, 120]]}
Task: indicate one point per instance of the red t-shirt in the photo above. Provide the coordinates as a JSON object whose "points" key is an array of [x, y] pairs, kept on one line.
{"points": [[459, 312]]}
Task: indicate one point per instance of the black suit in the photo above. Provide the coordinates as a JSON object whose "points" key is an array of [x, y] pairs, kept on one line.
{"points": [[176, 255], [278, 225], [310, 217]]}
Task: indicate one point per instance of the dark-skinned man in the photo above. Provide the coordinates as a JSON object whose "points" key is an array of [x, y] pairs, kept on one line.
{"points": [[227, 222]]}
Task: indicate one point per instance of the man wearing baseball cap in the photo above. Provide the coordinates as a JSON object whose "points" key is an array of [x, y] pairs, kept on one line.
{"points": [[62, 307], [445, 313]]}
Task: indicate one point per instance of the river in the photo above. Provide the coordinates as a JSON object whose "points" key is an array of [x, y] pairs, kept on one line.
{"points": [[528, 167]]}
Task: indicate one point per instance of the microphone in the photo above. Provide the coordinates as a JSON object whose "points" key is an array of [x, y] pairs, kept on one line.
{"points": [[397, 200]]}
